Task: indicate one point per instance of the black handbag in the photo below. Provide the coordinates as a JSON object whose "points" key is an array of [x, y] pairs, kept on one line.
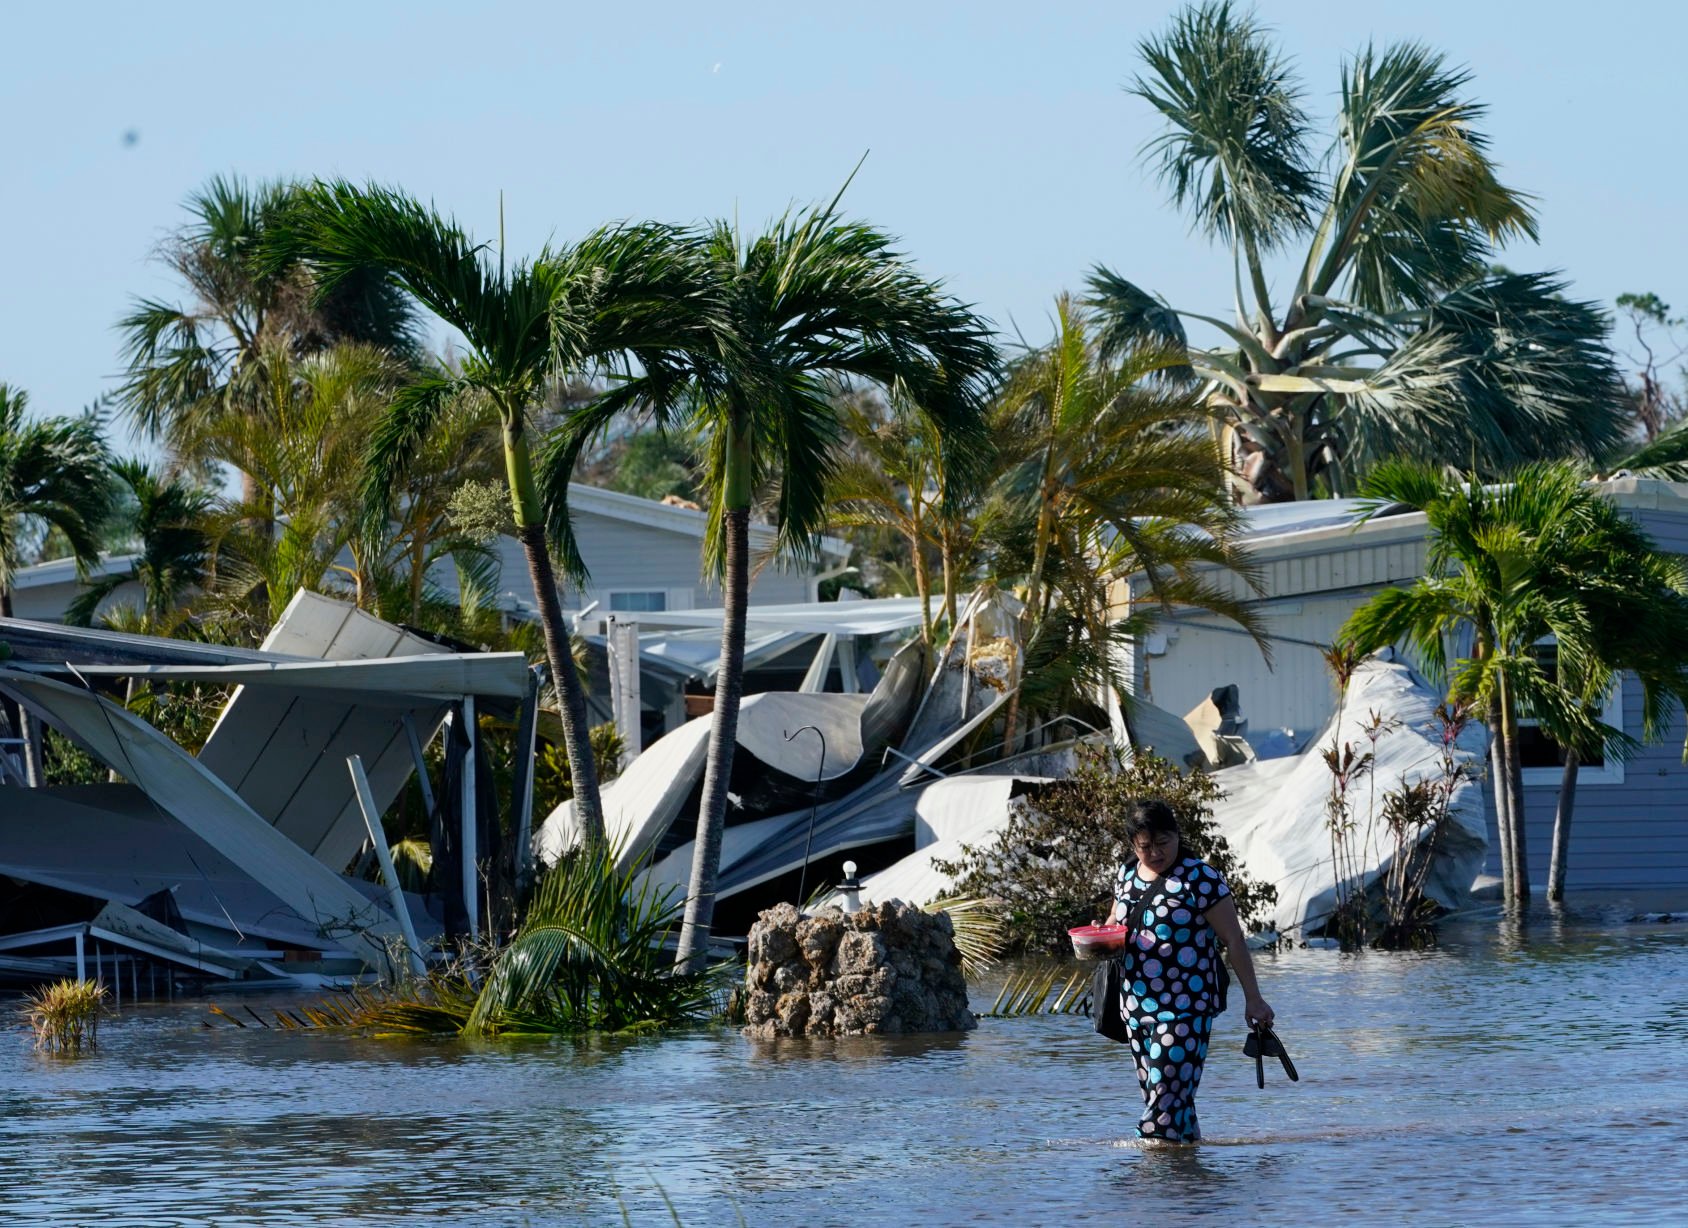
{"points": [[1106, 1010], [1262, 1043]]}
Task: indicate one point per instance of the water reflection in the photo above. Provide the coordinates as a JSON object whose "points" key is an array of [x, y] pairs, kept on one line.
{"points": [[1549, 1048], [857, 1049]]}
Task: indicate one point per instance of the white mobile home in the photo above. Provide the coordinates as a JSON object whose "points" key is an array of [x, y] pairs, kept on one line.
{"points": [[1319, 561], [643, 556], [646, 556]]}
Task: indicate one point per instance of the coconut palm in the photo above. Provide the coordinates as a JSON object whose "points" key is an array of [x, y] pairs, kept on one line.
{"points": [[622, 291], [53, 475], [812, 301], [1108, 472], [1541, 556], [173, 549], [193, 362], [1395, 338]]}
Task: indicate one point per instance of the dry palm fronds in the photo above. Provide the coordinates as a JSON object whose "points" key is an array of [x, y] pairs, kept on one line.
{"points": [[980, 934]]}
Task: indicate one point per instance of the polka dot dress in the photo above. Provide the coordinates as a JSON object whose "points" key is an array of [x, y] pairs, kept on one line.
{"points": [[1169, 984]]}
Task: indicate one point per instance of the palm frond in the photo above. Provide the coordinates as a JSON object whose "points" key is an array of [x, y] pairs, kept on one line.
{"points": [[1415, 201], [1235, 153]]}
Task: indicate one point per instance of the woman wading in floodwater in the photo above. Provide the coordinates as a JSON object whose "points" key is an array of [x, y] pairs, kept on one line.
{"points": [[1175, 905]]}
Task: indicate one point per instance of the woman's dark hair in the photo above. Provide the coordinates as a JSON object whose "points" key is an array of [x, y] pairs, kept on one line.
{"points": [[1151, 815]]}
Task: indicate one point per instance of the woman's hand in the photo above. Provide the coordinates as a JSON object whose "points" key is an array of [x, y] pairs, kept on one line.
{"points": [[1257, 1011]]}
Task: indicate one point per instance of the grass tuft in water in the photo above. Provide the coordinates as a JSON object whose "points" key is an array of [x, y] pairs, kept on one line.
{"points": [[65, 1016]]}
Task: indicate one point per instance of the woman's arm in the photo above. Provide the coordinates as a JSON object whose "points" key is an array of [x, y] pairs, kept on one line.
{"points": [[1223, 918]]}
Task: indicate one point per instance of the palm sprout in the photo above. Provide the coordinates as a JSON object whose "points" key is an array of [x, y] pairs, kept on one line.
{"points": [[1108, 471], [174, 549]]}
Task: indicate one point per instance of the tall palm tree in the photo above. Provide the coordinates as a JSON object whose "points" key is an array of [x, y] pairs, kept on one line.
{"points": [[171, 532], [1541, 556], [622, 291], [1395, 337], [1108, 473], [191, 362], [813, 300], [53, 475]]}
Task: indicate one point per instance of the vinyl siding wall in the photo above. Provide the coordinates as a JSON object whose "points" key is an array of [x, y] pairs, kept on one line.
{"points": [[623, 556]]}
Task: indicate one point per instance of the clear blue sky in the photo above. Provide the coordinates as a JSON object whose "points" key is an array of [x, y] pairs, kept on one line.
{"points": [[1004, 153]]}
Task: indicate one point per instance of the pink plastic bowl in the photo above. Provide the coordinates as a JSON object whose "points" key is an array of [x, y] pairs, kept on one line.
{"points": [[1098, 941]]}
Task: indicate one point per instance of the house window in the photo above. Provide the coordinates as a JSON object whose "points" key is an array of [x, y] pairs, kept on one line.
{"points": [[1542, 759], [637, 602]]}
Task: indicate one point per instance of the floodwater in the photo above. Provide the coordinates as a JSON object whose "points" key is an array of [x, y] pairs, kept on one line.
{"points": [[1508, 1077]]}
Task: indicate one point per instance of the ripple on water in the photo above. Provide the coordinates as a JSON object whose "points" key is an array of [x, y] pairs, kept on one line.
{"points": [[1477, 1081]]}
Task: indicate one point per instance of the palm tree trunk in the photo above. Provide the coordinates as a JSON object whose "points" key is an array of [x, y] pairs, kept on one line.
{"points": [[949, 578], [1034, 594], [1297, 445], [571, 700], [723, 729], [1500, 775], [1515, 794], [1562, 827], [922, 586], [417, 549]]}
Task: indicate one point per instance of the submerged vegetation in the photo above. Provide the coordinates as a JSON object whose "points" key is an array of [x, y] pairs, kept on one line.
{"points": [[591, 955]]}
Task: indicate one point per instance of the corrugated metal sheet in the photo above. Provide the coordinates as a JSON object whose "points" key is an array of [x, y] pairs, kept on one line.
{"points": [[284, 750], [212, 811]]}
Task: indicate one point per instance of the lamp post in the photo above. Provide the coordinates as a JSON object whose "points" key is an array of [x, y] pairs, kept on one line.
{"points": [[814, 803]]}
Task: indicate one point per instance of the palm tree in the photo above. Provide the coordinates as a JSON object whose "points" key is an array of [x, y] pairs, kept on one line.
{"points": [[421, 528], [812, 301], [53, 475], [1541, 556], [174, 546], [189, 363], [887, 480], [1108, 472], [621, 291], [1396, 338], [1635, 599], [301, 443]]}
